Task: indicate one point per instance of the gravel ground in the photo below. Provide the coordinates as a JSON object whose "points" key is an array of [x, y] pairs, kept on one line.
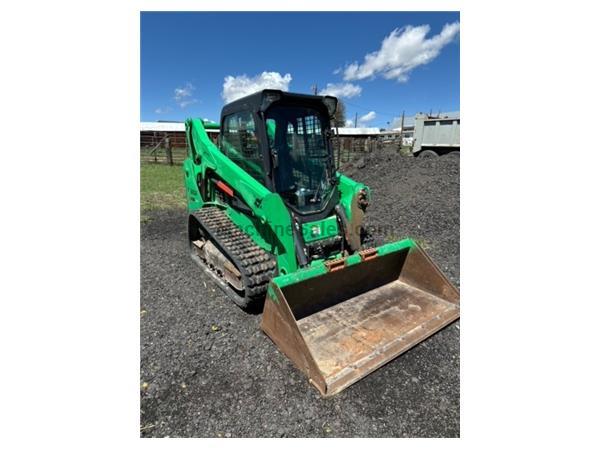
{"points": [[208, 371]]}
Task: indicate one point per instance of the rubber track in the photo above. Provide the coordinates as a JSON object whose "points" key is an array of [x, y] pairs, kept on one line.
{"points": [[256, 265]]}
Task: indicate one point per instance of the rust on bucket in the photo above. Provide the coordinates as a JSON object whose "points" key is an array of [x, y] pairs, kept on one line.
{"points": [[342, 325]]}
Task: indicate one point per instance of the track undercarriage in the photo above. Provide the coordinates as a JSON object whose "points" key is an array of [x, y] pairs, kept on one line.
{"points": [[230, 257]]}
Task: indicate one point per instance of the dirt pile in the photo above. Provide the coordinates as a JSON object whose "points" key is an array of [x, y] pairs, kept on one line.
{"points": [[208, 371], [414, 197]]}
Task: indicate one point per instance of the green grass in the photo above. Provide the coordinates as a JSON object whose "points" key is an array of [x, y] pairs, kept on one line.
{"points": [[161, 187]]}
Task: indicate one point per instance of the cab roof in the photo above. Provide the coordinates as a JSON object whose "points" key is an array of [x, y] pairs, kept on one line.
{"points": [[261, 100]]}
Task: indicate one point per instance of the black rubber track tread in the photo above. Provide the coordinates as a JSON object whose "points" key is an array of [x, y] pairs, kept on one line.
{"points": [[256, 265]]}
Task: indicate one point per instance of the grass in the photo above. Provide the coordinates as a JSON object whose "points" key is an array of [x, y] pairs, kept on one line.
{"points": [[161, 187]]}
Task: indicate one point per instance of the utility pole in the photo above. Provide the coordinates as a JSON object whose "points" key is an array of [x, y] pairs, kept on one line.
{"points": [[315, 88], [355, 119]]}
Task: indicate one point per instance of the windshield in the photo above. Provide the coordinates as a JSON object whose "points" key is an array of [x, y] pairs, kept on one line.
{"points": [[302, 176]]}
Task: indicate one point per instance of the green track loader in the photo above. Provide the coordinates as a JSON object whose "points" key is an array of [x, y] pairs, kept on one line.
{"points": [[279, 229]]}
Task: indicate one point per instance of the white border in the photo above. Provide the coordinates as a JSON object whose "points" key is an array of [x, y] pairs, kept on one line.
{"points": [[70, 232]]}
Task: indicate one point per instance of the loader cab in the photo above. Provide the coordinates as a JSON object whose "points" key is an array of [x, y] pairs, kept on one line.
{"points": [[283, 141]]}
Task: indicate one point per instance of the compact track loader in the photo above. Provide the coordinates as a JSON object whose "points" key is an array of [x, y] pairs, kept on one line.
{"points": [[279, 229]]}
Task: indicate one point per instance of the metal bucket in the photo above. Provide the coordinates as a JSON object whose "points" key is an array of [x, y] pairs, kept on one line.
{"points": [[341, 322]]}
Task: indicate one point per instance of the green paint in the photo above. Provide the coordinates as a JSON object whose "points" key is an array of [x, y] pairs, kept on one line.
{"points": [[348, 190], [269, 226], [269, 223], [319, 269], [320, 229], [210, 125]]}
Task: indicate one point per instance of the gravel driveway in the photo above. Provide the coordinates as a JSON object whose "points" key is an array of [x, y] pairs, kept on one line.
{"points": [[208, 371]]}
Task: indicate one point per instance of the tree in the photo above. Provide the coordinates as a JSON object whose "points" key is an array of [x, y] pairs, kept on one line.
{"points": [[340, 114]]}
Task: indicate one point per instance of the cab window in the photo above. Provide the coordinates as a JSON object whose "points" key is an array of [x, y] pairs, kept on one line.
{"points": [[240, 143]]}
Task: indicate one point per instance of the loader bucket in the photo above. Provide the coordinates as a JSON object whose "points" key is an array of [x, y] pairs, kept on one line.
{"points": [[340, 321]]}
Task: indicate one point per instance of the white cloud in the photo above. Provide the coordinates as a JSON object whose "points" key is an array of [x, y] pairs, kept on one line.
{"points": [[368, 117], [184, 103], [183, 95], [347, 90], [184, 92], [163, 110], [402, 51], [240, 86], [349, 123]]}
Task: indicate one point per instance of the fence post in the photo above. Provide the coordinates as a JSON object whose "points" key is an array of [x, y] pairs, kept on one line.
{"points": [[169, 151], [154, 145]]}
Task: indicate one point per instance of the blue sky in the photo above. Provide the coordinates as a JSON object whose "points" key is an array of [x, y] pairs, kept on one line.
{"points": [[191, 63]]}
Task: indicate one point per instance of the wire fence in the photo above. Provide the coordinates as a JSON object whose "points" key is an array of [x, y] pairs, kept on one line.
{"points": [[346, 149], [164, 147], [171, 148], [163, 155]]}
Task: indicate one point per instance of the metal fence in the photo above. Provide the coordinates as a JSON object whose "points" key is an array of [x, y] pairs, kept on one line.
{"points": [[170, 148], [166, 147], [163, 155], [347, 149]]}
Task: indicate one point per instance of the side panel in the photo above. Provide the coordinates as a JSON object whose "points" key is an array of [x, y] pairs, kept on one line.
{"points": [[320, 229], [456, 132], [441, 133], [353, 194], [280, 225], [194, 199], [349, 189]]}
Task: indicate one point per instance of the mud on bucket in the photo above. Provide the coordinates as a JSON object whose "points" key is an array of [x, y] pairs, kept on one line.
{"points": [[340, 322]]}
